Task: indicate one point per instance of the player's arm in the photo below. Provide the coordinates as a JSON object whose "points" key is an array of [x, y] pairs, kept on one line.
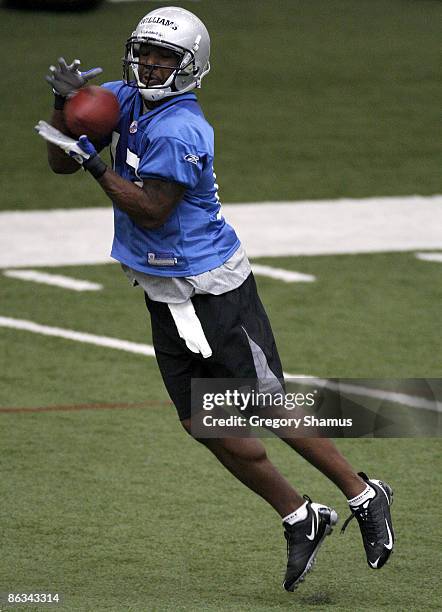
{"points": [[148, 206]]}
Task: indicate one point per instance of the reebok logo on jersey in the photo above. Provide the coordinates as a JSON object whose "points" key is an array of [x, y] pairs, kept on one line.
{"points": [[133, 127], [193, 159]]}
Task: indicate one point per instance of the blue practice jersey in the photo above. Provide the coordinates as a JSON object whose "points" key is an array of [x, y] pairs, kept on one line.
{"points": [[175, 143]]}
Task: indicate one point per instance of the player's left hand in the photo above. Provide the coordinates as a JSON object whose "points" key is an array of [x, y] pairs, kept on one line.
{"points": [[81, 150], [66, 80]]}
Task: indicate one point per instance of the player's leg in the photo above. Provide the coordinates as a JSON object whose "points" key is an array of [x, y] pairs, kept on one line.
{"points": [[369, 500], [247, 460], [241, 327], [323, 455], [306, 524], [249, 351]]}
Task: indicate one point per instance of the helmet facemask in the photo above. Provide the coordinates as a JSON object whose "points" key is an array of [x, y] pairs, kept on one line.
{"points": [[174, 84]]}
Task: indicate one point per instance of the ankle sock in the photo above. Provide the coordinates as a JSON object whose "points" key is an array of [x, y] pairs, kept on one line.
{"points": [[298, 515], [366, 494]]}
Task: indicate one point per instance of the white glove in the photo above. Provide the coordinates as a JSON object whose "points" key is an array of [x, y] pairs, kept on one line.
{"points": [[65, 80], [80, 150]]}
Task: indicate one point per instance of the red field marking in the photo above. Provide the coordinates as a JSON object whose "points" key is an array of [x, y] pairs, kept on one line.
{"points": [[96, 406]]}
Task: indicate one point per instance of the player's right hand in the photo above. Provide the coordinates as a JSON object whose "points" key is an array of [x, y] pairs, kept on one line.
{"points": [[66, 80], [81, 150]]}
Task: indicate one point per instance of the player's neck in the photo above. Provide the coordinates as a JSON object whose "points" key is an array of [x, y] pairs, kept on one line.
{"points": [[148, 105]]}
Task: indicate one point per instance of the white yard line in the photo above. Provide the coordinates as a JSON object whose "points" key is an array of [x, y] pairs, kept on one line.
{"points": [[148, 350], [267, 229], [430, 256], [69, 334], [53, 279], [394, 397], [288, 276]]}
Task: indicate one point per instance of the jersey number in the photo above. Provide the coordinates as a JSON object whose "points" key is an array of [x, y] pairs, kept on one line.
{"points": [[132, 160]]}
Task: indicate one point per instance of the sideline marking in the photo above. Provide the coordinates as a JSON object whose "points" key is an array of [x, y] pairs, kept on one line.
{"points": [[288, 276], [53, 279], [64, 237], [430, 256], [146, 349]]}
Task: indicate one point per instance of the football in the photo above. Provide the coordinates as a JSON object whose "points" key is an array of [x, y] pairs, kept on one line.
{"points": [[93, 111]]}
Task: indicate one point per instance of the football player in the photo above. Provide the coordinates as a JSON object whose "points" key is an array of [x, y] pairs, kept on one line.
{"points": [[171, 239]]}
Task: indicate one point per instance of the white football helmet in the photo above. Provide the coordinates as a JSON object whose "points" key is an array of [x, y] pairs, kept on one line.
{"points": [[183, 33]]}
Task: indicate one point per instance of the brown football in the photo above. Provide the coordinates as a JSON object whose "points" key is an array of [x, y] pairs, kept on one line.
{"points": [[93, 111]]}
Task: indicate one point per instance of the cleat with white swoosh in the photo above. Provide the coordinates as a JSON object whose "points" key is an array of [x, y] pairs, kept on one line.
{"points": [[374, 520], [303, 541]]}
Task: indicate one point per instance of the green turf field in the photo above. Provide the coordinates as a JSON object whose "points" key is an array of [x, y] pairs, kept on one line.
{"points": [[106, 504], [119, 511], [104, 498]]}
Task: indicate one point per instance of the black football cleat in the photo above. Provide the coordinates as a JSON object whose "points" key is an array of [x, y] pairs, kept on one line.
{"points": [[374, 520], [303, 541]]}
